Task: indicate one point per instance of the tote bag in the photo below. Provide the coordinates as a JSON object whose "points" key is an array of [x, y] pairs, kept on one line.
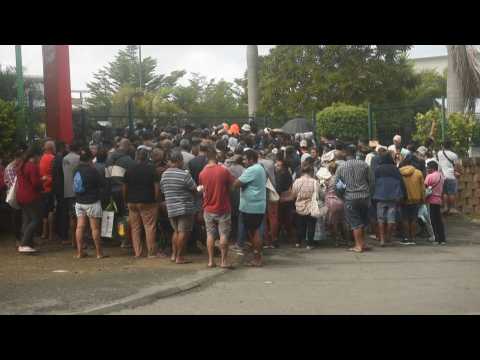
{"points": [[12, 196], [316, 211]]}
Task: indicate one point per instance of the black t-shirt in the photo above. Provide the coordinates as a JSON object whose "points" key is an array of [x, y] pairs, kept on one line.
{"points": [[196, 166], [92, 183], [140, 179], [284, 181]]}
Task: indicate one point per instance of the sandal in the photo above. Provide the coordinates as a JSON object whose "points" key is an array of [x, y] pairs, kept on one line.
{"points": [[183, 262], [355, 250]]}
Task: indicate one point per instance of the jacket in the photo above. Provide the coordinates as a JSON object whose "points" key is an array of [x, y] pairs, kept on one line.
{"points": [[413, 180], [29, 183], [116, 166], [389, 185]]}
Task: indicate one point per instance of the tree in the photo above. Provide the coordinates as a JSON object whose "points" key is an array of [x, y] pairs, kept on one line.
{"points": [[8, 118], [296, 79], [8, 84]]}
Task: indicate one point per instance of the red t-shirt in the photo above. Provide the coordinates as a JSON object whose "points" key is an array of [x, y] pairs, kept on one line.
{"points": [[216, 181], [46, 168]]}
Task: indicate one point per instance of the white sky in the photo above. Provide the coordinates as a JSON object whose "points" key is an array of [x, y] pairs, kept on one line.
{"points": [[213, 61]]}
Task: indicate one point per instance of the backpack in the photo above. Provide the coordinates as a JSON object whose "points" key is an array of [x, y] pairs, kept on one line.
{"points": [[78, 186]]}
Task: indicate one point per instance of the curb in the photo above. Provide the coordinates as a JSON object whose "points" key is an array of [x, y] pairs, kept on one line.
{"points": [[154, 293]]}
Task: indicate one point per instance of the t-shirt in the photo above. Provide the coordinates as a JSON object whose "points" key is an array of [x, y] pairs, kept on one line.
{"points": [[445, 165], [177, 186], [187, 157], [140, 179], [46, 168], [92, 183], [253, 195], [69, 164], [270, 169], [196, 166], [284, 181], [435, 180], [216, 180]]}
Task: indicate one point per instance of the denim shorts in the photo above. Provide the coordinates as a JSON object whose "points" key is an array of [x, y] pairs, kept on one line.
{"points": [[387, 212], [356, 213], [450, 186], [90, 210], [410, 212]]}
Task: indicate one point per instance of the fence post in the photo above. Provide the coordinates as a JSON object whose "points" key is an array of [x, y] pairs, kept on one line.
{"points": [[443, 119], [369, 121]]}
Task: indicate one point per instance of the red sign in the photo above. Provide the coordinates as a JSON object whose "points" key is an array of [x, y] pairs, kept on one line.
{"points": [[58, 96]]}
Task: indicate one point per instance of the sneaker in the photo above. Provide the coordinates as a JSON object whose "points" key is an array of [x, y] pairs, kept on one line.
{"points": [[26, 249], [297, 245], [431, 239], [309, 248], [404, 242], [442, 243], [373, 237]]}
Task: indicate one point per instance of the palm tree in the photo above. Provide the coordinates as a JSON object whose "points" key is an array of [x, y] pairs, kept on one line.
{"points": [[252, 64], [463, 78]]}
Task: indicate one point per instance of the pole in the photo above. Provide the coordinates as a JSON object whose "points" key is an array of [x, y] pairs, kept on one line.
{"points": [[20, 95], [252, 64], [130, 116], [140, 66], [443, 119], [369, 121]]}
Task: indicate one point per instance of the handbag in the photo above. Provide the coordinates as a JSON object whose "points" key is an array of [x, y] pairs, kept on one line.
{"points": [[457, 172], [12, 196], [340, 188], [272, 193], [315, 210]]}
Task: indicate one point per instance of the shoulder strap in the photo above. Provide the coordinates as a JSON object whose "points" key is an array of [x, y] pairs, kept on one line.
{"points": [[449, 160]]}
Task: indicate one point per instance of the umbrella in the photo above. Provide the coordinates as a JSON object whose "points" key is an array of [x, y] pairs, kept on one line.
{"points": [[297, 126]]}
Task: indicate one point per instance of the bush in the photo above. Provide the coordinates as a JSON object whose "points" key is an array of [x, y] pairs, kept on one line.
{"points": [[343, 121], [8, 118], [459, 128]]}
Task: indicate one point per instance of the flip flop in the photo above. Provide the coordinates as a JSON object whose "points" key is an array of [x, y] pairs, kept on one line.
{"points": [[103, 257], [81, 257], [183, 262], [212, 266], [355, 250]]}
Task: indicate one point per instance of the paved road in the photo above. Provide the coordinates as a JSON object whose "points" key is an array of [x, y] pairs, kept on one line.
{"points": [[392, 280]]}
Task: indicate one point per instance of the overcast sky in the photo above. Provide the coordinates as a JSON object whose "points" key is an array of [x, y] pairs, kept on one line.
{"points": [[213, 61]]}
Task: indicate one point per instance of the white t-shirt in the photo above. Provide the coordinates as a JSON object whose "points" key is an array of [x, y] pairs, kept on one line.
{"points": [[445, 165]]}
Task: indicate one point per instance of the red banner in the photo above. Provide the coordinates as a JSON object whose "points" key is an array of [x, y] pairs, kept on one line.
{"points": [[58, 96]]}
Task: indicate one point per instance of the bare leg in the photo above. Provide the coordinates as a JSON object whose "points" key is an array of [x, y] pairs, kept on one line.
{"points": [[181, 241], [174, 246], [224, 251], [211, 250], [81, 224], [381, 230], [389, 232], [358, 235], [95, 226], [406, 229], [257, 247]]}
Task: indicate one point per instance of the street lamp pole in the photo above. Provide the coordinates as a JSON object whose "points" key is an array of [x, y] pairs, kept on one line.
{"points": [[20, 94], [140, 66]]}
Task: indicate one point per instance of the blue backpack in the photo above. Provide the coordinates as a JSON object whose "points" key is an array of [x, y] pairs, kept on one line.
{"points": [[78, 186]]}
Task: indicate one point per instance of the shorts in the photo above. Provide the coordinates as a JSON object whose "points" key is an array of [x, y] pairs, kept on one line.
{"points": [[450, 186], [356, 213], [90, 210], [48, 204], [387, 212], [182, 223], [252, 221], [410, 212], [218, 224], [372, 211]]}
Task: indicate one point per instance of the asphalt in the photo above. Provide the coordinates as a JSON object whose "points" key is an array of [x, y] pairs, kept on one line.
{"points": [[52, 282], [396, 280]]}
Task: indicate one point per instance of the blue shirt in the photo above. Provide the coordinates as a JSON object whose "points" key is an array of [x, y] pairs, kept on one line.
{"points": [[253, 194]]}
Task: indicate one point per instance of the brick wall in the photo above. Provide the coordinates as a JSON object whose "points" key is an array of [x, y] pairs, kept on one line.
{"points": [[468, 201]]}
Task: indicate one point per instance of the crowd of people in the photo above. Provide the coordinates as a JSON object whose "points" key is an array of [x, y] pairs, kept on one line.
{"points": [[228, 188]]}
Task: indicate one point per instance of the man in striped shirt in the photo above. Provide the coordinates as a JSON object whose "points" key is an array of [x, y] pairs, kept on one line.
{"points": [[355, 174], [179, 188]]}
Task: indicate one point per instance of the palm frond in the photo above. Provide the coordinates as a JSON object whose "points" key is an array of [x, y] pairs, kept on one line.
{"points": [[466, 63]]}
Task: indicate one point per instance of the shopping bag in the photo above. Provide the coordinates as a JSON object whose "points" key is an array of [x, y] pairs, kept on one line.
{"points": [[107, 223], [320, 230], [12, 196]]}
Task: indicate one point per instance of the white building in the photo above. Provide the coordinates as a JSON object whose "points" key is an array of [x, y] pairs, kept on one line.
{"points": [[437, 63]]}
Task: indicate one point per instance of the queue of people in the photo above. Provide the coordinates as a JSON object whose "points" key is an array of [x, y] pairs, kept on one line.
{"points": [[233, 187]]}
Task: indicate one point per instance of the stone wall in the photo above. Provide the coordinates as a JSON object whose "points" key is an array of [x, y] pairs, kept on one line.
{"points": [[468, 201]]}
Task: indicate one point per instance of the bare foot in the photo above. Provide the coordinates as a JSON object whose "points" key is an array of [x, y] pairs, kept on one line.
{"points": [[102, 256], [213, 265], [81, 256]]}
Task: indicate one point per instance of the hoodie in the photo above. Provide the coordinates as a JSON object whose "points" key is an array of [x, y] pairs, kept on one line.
{"points": [[389, 185], [413, 180]]}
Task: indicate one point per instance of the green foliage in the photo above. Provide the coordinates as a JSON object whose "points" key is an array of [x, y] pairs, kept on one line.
{"points": [[296, 79], [459, 129], [8, 90], [343, 121], [430, 85], [8, 117]]}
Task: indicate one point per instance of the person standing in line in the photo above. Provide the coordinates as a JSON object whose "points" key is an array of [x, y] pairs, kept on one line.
{"points": [[186, 152], [389, 192], [179, 189], [61, 215], [335, 205], [87, 184], [271, 229], [48, 199], [286, 207], [302, 191], [9, 177], [69, 164], [448, 162], [358, 181], [141, 191], [434, 181], [253, 201], [29, 188], [415, 191], [216, 181], [238, 229], [116, 166]]}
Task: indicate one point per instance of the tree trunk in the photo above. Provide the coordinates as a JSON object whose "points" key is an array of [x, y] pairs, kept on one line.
{"points": [[252, 62], [455, 98]]}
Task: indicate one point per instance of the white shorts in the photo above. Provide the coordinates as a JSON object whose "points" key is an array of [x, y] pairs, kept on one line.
{"points": [[91, 210]]}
